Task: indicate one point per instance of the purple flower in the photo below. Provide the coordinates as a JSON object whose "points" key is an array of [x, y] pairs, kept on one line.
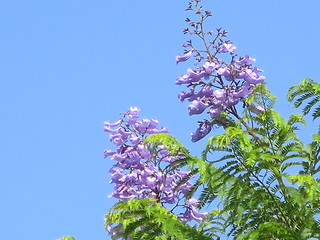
{"points": [[227, 47], [184, 79], [209, 67], [185, 188], [197, 107], [145, 124], [202, 131], [226, 73], [251, 76], [106, 128], [183, 95], [181, 174], [245, 60], [185, 57], [153, 131], [191, 214], [153, 124], [196, 75], [108, 153], [219, 94], [195, 215], [143, 151], [168, 196], [150, 176], [220, 83], [115, 230], [193, 202], [116, 175], [215, 112], [117, 139], [230, 101], [116, 124], [170, 158], [119, 136], [192, 76], [133, 115], [131, 177], [133, 157], [119, 157], [122, 192], [205, 92], [169, 199], [141, 171], [134, 139], [241, 92]]}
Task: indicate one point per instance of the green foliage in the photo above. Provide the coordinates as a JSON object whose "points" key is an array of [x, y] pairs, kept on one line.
{"points": [[260, 180], [167, 140], [252, 179], [309, 90], [147, 219], [67, 238]]}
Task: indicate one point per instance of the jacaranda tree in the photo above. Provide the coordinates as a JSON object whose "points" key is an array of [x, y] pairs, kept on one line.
{"points": [[256, 180]]}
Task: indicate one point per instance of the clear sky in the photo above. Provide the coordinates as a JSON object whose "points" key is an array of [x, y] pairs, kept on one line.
{"points": [[67, 65]]}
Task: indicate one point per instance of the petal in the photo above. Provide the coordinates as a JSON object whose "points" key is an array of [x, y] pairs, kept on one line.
{"points": [[197, 107], [185, 57], [202, 131]]}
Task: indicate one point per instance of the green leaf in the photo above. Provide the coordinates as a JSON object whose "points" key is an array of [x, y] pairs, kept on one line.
{"points": [[142, 218], [167, 140], [306, 90], [67, 238]]}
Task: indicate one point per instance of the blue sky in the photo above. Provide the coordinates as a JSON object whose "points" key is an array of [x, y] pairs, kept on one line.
{"points": [[66, 66]]}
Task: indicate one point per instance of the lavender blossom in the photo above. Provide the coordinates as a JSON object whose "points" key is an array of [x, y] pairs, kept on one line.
{"points": [[115, 230], [223, 81], [191, 213], [185, 57], [137, 173], [203, 130], [227, 47], [197, 107], [133, 115]]}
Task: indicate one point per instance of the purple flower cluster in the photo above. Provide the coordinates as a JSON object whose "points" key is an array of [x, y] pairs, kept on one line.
{"points": [[218, 85], [138, 171]]}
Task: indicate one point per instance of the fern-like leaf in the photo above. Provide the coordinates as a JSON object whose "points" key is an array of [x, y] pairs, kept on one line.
{"points": [[306, 90], [147, 219]]}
